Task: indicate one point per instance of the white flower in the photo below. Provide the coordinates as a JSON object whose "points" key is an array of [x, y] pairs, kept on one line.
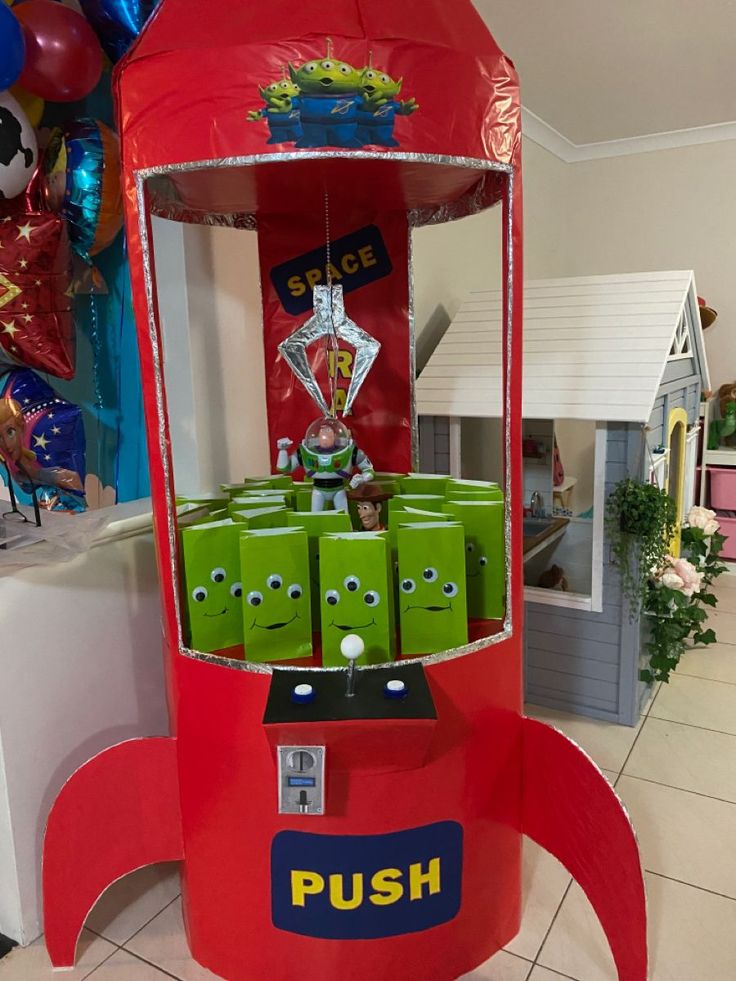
{"points": [[670, 580], [703, 518]]}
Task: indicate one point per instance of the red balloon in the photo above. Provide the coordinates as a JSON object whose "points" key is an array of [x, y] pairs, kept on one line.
{"points": [[63, 56]]}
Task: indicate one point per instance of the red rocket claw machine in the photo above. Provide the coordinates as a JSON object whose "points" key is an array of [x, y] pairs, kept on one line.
{"points": [[364, 821]]}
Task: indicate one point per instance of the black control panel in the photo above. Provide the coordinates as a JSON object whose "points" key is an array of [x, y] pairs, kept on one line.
{"points": [[401, 692]]}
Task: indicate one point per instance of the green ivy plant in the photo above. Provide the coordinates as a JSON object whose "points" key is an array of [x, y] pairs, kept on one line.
{"points": [[641, 522], [676, 618]]}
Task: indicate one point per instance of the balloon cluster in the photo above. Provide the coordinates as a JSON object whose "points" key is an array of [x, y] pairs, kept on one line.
{"points": [[50, 51]]}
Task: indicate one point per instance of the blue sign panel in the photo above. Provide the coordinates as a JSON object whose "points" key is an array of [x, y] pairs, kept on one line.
{"points": [[356, 260], [361, 887]]}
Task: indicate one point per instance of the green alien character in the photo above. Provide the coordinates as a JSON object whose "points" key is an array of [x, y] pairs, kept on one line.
{"points": [[316, 524], [357, 596], [213, 587], [378, 107], [276, 609], [432, 591], [281, 111], [484, 555], [327, 101]]}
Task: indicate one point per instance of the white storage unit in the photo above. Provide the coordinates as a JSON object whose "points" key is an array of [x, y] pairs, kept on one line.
{"points": [[81, 670]]}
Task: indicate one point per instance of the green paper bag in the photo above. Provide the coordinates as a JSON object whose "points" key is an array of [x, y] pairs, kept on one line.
{"points": [[425, 502], [277, 620], [281, 495], [221, 514], [424, 483], [254, 503], [232, 490], [212, 585], [262, 517], [356, 596], [432, 592], [276, 481], [316, 524], [303, 496], [485, 561], [468, 490], [211, 501]]}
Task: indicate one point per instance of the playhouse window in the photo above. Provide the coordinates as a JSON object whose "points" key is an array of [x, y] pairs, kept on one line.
{"points": [[568, 533], [681, 347]]}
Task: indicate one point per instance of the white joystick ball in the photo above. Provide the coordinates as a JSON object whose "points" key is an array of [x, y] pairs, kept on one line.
{"points": [[351, 647]]}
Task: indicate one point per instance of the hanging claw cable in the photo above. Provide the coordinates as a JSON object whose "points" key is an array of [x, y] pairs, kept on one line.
{"points": [[332, 344]]}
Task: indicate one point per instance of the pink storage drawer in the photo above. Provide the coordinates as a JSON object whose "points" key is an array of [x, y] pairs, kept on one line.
{"points": [[722, 488], [728, 528]]}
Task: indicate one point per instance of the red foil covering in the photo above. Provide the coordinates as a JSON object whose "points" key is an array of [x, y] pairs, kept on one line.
{"points": [[36, 320]]}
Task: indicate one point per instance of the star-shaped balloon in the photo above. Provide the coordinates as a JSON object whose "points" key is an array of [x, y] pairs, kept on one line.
{"points": [[329, 318]]}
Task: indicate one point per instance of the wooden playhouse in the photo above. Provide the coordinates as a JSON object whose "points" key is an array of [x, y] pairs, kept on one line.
{"points": [[614, 367]]}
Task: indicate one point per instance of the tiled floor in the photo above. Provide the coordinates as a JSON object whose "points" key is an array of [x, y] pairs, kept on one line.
{"points": [[676, 772]]}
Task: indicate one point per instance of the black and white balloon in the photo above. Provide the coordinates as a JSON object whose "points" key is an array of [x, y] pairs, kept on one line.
{"points": [[18, 148]]}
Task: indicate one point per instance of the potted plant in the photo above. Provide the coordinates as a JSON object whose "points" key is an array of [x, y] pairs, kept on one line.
{"points": [[679, 592], [641, 521]]}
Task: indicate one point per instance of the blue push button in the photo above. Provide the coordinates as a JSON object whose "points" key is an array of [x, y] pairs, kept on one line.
{"points": [[303, 694], [395, 689]]}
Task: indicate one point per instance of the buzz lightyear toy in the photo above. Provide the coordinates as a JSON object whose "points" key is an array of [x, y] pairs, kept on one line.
{"points": [[330, 458]]}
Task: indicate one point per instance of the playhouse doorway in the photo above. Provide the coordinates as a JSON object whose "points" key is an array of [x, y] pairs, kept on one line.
{"points": [[676, 446]]}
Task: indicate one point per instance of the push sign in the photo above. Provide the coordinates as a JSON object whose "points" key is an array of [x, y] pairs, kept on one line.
{"points": [[355, 260], [362, 887]]}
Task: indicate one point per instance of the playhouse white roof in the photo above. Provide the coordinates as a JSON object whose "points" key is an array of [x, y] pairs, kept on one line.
{"points": [[595, 347]]}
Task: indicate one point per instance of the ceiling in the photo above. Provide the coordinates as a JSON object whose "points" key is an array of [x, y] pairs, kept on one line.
{"points": [[598, 70]]}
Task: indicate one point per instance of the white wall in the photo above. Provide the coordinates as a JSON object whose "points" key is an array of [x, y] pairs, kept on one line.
{"points": [[451, 259], [224, 305], [670, 209]]}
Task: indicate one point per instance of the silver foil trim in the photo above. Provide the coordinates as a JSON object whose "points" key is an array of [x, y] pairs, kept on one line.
{"points": [[425, 216], [163, 422], [329, 320], [166, 202], [508, 339], [414, 418]]}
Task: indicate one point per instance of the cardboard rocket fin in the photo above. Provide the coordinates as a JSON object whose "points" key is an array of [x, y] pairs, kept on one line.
{"points": [[570, 809], [117, 813]]}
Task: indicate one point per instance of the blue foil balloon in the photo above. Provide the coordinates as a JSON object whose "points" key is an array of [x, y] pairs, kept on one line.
{"points": [[12, 48], [117, 23]]}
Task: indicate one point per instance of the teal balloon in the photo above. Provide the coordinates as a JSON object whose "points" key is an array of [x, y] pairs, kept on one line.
{"points": [[117, 23], [12, 48]]}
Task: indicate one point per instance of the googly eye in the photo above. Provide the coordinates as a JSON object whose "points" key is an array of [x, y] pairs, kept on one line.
{"points": [[274, 582], [408, 585], [352, 583], [311, 67], [385, 79], [199, 594], [236, 590], [429, 575], [255, 598], [284, 85], [370, 74], [218, 575], [332, 597], [483, 560], [372, 598], [450, 589], [294, 591], [273, 87], [327, 65], [470, 547], [345, 69]]}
